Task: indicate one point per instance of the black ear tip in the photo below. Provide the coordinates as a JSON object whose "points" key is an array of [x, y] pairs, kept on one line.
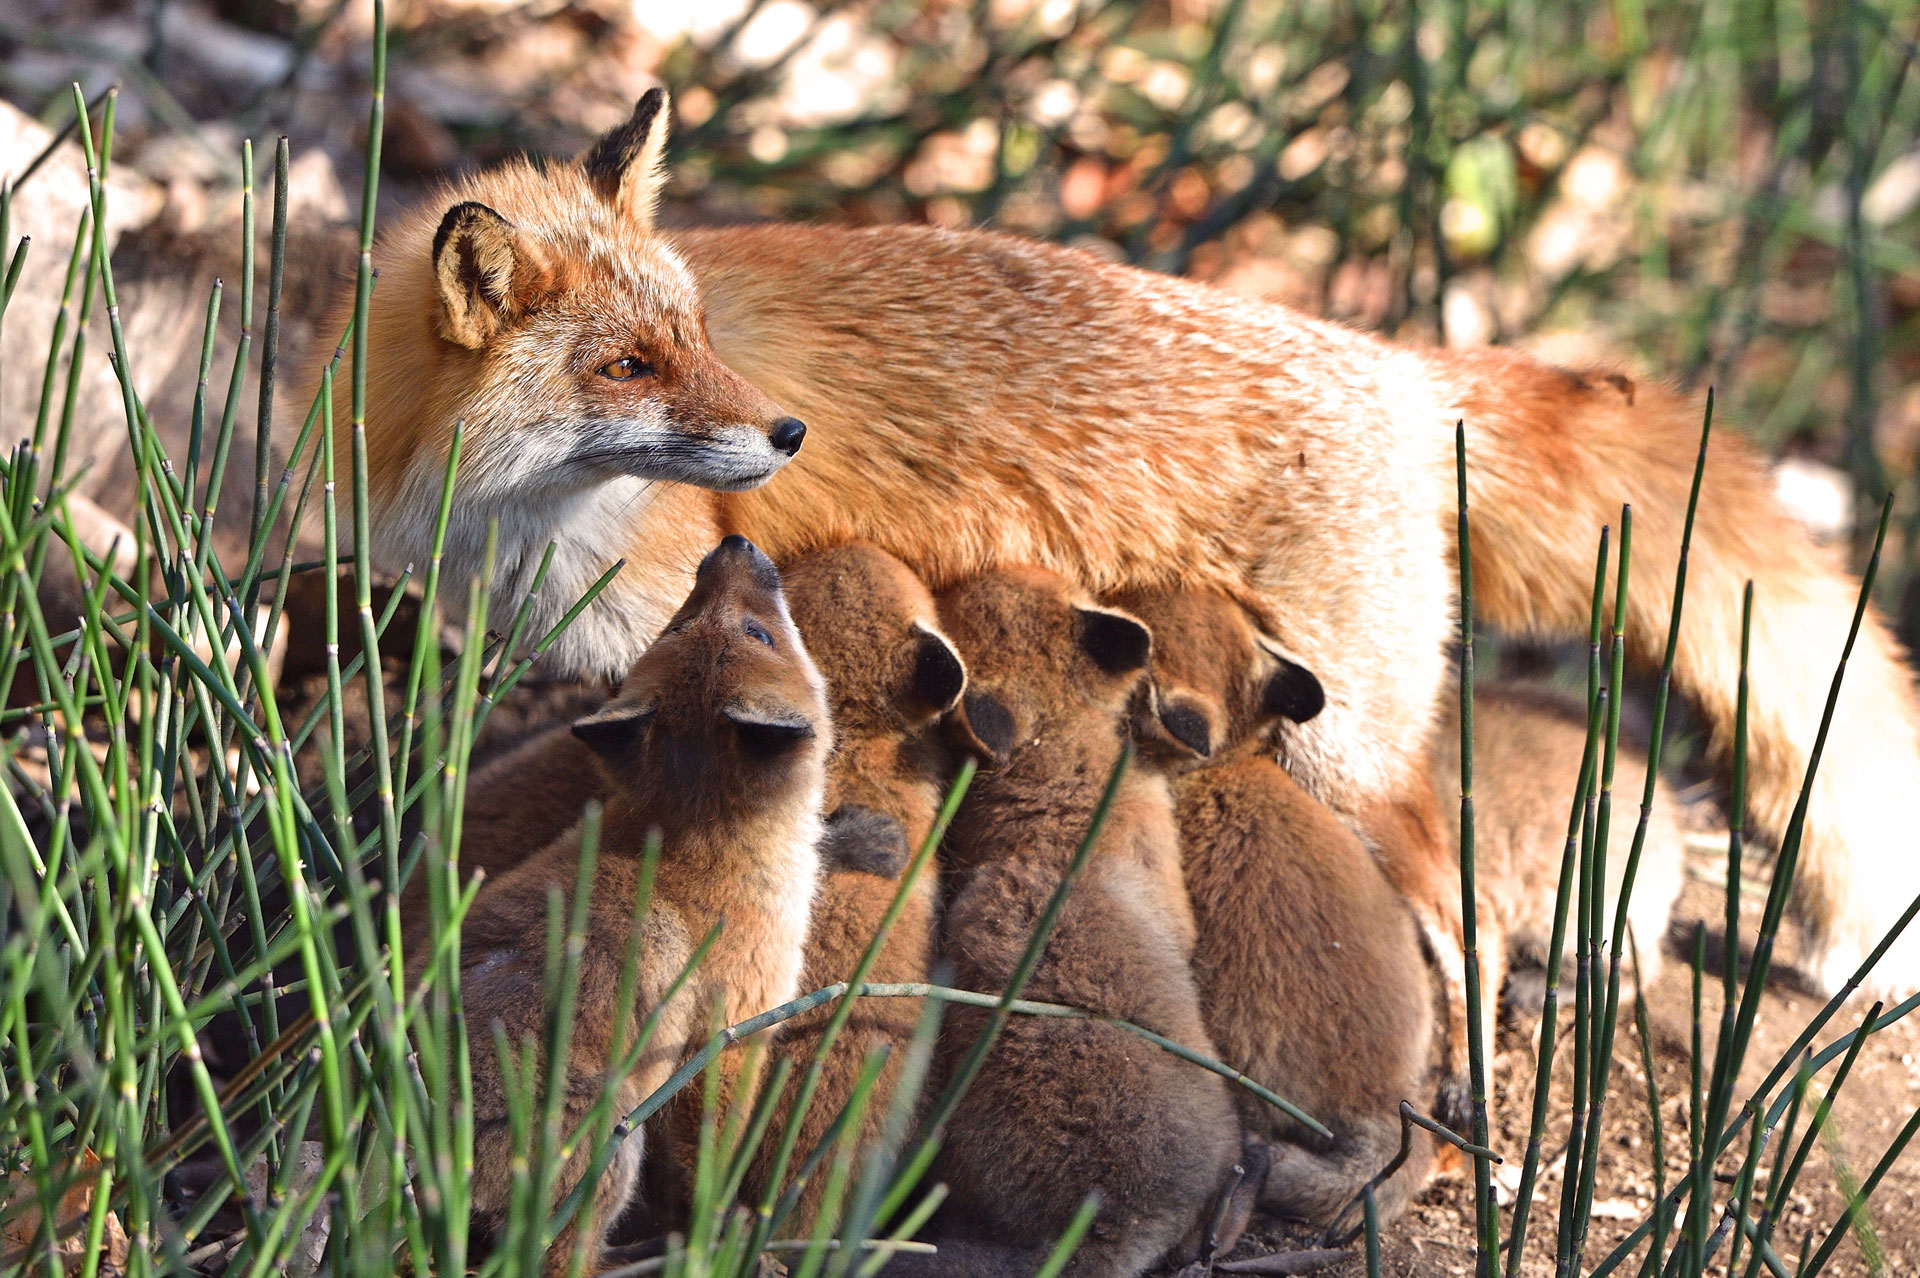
{"points": [[938, 677], [608, 158], [1295, 693], [461, 217], [1189, 727], [1116, 642], [606, 734], [991, 722]]}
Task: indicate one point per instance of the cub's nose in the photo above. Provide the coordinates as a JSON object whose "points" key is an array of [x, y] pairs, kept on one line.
{"points": [[736, 554], [787, 434]]}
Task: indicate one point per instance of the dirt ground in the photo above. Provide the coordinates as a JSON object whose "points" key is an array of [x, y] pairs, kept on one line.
{"points": [[1435, 1236]]}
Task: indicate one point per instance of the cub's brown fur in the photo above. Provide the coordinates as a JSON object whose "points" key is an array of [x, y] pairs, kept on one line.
{"points": [[1062, 1107], [718, 741], [1310, 970], [891, 674], [515, 806], [1032, 405], [1528, 743], [1222, 685], [872, 628]]}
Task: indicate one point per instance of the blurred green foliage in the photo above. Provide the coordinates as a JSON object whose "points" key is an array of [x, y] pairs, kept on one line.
{"points": [[1713, 190]]}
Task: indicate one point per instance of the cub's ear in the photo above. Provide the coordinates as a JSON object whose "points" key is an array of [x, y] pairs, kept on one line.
{"points": [[1117, 642], [1175, 725], [1187, 722], [769, 729], [613, 729], [864, 840], [1292, 692], [983, 726], [938, 676], [624, 165], [487, 275]]}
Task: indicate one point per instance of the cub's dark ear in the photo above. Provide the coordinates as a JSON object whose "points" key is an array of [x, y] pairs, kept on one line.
{"points": [[624, 165], [486, 273], [1188, 724], [1292, 692], [613, 729], [769, 730], [938, 677], [1171, 725], [983, 726], [1117, 642], [864, 840]]}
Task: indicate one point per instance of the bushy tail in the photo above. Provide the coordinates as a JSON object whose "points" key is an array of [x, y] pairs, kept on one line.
{"points": [[1552, 456]]}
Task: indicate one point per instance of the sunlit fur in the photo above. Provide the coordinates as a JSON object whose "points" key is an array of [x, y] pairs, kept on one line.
{"points": [[975, 401], [718, 742], [890, 674], [1528, 746], [1064, 1107], [1311, 975]]}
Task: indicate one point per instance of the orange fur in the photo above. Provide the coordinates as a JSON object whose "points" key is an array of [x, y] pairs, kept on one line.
{"points": [[1064, 1107], [717, 743], [1310, 970], [977, 401]]}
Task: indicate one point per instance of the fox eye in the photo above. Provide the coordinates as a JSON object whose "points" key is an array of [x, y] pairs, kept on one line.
{"points": [[626, 368], [754, 630]]}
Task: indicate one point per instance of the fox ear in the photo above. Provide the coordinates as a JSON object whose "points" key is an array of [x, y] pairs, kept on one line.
{"points": [[624, 165], [983, 726], [938, 676], [1174, 725], [613, 729], [1117, 642], [769, 730], [1189, 724], [1293, 692], [484, 272]]}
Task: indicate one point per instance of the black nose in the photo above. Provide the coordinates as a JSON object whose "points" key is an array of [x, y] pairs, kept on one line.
{"points": [[736, 547], [787, 434]]}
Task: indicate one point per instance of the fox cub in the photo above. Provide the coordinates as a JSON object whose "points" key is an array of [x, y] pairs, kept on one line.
{"points": [[891, 674], [1064, 1108], [872, 630], [718, 741], [1311, 974], [1528, 744]]}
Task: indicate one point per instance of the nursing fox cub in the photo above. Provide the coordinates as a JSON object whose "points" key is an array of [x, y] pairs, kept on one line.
{"points": [[972, 401]]}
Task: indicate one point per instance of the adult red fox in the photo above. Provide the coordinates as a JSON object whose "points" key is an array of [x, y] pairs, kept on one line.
{"points": [[973, 400]]}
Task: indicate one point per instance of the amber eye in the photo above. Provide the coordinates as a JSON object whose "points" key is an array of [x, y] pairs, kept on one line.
{"points": [[626, 368]]}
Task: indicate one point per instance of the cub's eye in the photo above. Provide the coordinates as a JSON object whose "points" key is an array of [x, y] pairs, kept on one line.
{"points": [[626, 368], [754, 630]]}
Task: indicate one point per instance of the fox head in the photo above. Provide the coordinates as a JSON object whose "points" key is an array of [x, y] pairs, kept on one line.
{"points": [[872, 626], [1042, 661], [1216, 681], [538, 305], [724, 719]]}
